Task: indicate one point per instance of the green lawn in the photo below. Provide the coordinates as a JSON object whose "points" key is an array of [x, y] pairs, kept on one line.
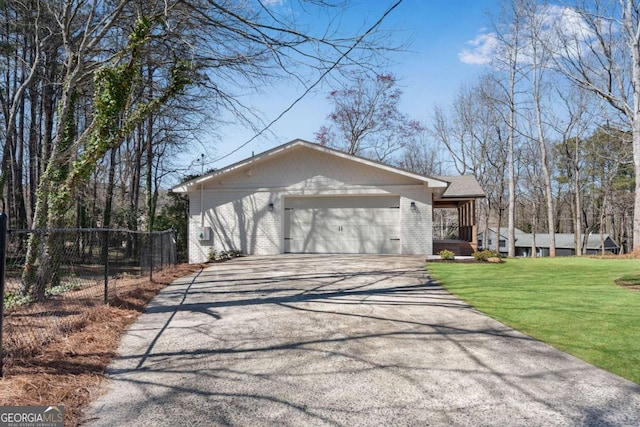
{"points": [[571, 303]]}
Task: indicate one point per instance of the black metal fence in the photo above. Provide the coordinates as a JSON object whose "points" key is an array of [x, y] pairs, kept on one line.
{"points": [[50, 274]]}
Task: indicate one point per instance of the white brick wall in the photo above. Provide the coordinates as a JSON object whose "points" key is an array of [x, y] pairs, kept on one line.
{"points": [[237, 206], [416, 231]]}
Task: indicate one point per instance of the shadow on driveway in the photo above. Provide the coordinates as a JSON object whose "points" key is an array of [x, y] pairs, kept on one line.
{"points": [[342, 340]]}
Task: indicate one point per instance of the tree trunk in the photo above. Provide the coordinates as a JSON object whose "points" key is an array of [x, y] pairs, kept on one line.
{"points": [[512, 176], [534, 230], [149, 176], [134, 192], [549, 202], [635, 119], [106, 215], [36, 119], [19, 206], [636, 164], [50, 206], [149, 171], [578, 229]]}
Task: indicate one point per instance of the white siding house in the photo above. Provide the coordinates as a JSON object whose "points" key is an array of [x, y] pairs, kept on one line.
{"points": [[305, 198]]}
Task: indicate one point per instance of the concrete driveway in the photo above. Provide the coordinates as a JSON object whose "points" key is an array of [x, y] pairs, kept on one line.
{"points": [[342, 340]]}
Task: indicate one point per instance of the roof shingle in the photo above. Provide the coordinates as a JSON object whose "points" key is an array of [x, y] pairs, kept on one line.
{"points": [[461, 187]]}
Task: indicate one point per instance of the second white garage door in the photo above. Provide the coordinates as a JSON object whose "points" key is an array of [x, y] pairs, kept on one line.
{"points": [[368, 224]]}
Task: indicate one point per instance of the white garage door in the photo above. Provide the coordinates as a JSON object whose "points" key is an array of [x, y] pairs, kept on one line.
{"points": [[342, 225]]}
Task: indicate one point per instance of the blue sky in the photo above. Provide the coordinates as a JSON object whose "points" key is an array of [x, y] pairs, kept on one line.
{"points": [[437, 33]]}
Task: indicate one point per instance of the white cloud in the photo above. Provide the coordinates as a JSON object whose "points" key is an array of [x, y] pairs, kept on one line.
{"points": [[481, 50], [566, 20], [566, 31], [561, 29]]}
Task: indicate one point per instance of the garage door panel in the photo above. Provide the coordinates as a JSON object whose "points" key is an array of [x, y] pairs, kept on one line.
{"points": [[342, 225], [369, 246], [313, 244]]}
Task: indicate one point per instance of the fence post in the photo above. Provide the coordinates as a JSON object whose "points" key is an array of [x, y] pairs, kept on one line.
{"points": [[151, 256], [3, 263], [106, 265], [162, 250]]}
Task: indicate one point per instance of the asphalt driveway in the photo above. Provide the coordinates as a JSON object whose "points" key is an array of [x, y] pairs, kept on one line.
{"points": [[342, 340]]}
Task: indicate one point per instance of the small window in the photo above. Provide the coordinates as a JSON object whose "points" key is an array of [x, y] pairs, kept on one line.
{"points": [[479, 243], [503, 243], [490, 242]]}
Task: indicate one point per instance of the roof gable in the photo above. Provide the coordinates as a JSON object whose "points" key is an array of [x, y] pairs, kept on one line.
{"points": [[464, 187], [242, 170]]}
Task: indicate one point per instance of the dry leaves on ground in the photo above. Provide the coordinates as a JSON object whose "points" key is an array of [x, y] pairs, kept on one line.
{"points": [[69, 370]]}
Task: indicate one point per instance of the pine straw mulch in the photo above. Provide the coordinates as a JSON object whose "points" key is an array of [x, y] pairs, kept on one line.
{"points": [[69, 370]]}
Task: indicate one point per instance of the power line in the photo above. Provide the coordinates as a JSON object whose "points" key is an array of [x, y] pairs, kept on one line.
{"points": [[317, 82]]}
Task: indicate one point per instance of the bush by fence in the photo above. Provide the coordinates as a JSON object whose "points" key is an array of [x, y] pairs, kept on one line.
{"points": [[88, 265]]}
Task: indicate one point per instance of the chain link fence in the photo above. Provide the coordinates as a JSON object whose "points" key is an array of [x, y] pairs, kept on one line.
{"points": [[68, 271]]}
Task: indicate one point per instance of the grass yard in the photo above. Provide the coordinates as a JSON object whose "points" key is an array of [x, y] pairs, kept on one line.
{"points": [[570, 303]]}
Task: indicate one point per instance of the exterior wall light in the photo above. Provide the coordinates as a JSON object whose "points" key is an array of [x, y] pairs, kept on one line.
{"points": [[413, 206], [270, 207]]}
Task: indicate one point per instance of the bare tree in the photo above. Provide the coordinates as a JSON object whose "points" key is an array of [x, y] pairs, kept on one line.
{"points": [[573, 127], [600, 52], [538, 57], [421, 157], [463, 131], [508, 65], [474, 133], [366, 120]]}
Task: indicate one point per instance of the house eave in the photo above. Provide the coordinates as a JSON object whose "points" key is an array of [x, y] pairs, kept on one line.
{"points": [[195, 183]]}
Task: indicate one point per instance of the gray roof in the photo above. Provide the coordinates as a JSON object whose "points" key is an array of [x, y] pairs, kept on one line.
{"points": [[504, 232], [563, 240], [464, 186]]}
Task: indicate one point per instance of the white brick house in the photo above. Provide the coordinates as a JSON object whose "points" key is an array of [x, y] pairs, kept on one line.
{"points": [[305, 198]]}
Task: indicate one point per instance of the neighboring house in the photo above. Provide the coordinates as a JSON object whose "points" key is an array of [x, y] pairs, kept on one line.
{"points": [[487, 239], [305, 198], [564, 243]]}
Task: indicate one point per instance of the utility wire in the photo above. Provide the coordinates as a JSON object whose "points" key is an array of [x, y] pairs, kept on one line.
{"points": [[316, 83]]}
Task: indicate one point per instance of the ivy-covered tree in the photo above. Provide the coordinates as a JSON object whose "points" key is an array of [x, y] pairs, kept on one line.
{"points": [[115, 116]]}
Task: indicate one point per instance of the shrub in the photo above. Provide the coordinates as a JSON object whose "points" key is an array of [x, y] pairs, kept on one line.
{"points": [[484, 255], [446, 254], [224, 255], [15, 300]]}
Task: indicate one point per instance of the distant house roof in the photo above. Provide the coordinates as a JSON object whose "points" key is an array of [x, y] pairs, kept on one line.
{"points": [[504, 232], [563, 240], [464, 186]]}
